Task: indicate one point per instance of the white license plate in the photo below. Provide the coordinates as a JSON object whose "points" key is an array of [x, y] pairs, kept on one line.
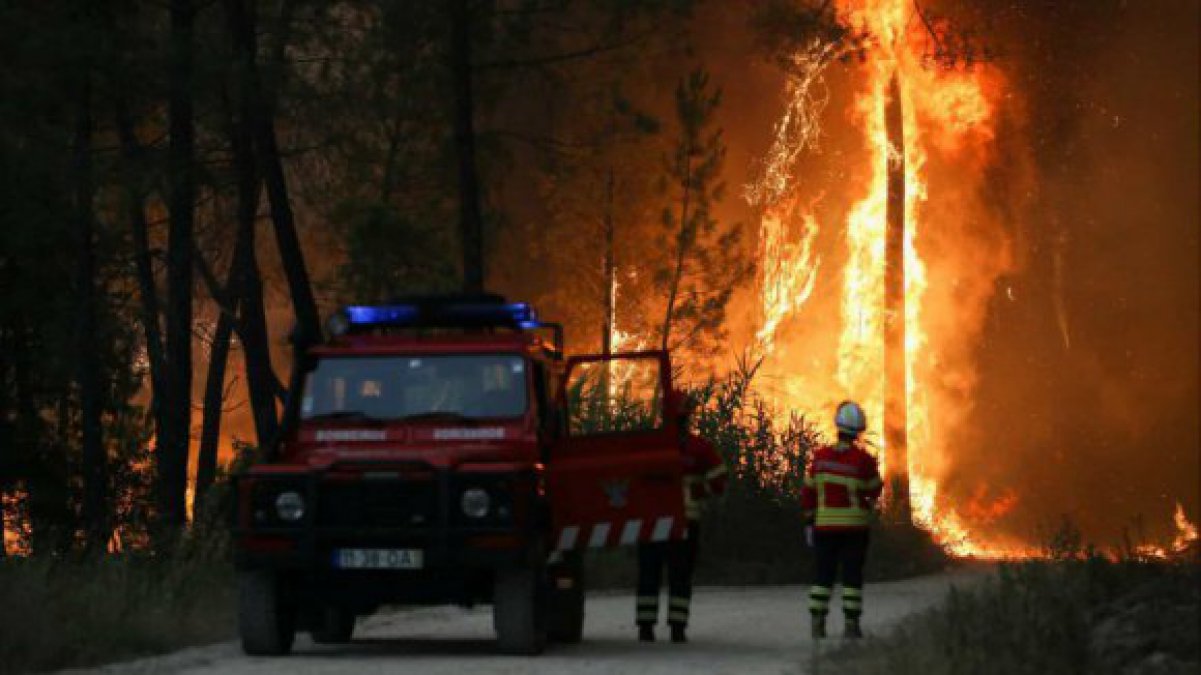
{"points": [[378, 558]]}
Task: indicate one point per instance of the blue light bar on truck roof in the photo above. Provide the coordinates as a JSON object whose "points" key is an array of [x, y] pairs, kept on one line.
{"points": [[443, 315]]}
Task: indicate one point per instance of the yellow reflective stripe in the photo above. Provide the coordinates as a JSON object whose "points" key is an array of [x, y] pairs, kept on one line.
{"points": [[843, 511], [848, 481], [648, 601], [843, 520], [848, 592], [819, 598], [680, 603], [719, 470], [677, 616], [809, 482]]}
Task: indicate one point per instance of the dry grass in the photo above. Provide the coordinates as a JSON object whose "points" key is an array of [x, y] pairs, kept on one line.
{"points": [[59, 614], [1077, 615]]}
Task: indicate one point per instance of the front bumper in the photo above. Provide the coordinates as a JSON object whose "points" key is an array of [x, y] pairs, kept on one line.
{"points": [[388, 513]]}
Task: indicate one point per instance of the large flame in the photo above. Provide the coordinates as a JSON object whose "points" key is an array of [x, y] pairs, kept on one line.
{"points": [[948, 112]]}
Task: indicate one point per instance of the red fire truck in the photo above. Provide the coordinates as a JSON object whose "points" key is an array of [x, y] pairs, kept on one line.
{"points": [[443, 450]]}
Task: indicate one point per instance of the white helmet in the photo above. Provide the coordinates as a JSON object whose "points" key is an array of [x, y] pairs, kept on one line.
{"points": [[850, 418]]}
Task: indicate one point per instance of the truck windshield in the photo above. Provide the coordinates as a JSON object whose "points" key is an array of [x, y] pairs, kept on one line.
{"points": [[416, 387]]}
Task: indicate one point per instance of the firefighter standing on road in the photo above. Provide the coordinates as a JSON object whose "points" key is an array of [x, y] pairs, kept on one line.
{"points": [[704, 475], [841, 487]]}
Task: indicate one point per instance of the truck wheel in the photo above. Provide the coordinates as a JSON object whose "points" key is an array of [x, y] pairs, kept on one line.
{"points": [[335, 626], [266, 621], [518, 611], [565, 621]]}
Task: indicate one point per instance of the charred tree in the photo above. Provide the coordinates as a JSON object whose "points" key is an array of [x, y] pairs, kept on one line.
{"points": [[88, 370], [260, 99], [149, 309], [245, 286], [173, 442], [896, 396], [471, 219], [214, 401]]}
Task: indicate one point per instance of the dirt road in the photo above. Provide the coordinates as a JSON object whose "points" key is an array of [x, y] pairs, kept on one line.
{"points": [[734, 630]]}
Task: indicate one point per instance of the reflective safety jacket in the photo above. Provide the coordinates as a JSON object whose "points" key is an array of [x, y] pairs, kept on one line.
{"points": [[704, 474], [841, 487]]}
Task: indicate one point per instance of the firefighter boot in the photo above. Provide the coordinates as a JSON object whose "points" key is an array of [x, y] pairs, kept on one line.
{"points": [[646, 632], [677, 633], [818, 626], [852, 630]]}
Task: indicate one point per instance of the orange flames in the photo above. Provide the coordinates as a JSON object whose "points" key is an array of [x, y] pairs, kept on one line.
{"points": [[823, 282], [1185, 539], [948, 115]]}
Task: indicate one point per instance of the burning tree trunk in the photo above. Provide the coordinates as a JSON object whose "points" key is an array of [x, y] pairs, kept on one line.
{"points": [[610, 270], [896, 391]]}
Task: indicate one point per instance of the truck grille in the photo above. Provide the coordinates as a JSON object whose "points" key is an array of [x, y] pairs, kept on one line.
{"points": [[378, 504]]}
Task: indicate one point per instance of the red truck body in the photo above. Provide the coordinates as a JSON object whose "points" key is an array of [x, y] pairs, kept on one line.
{"points": [[435, 463]]}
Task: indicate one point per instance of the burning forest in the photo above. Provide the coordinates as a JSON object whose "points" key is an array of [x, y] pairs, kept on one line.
{"points": [[929, 218], [977, 219]]}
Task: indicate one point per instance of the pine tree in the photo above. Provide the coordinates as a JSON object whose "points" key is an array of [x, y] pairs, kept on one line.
{"points": [[704, 260]]}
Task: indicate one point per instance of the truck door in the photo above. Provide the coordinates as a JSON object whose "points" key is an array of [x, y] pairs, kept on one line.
{"points": [[614, 477]]}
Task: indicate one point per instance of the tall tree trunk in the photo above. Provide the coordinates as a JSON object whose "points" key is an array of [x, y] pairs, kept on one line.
{"points": [[88, 376], [610, 268], [252, 136], [245, 278], [896, 390], [214, 401], [174, 441], [260, 95], [471, 220], [149, 309]]}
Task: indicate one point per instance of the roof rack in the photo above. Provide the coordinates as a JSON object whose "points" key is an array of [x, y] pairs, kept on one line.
{"points": [[445, 311]]}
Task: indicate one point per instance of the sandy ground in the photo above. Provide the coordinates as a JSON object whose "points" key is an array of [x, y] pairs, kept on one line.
{"points": [[734, 630]]}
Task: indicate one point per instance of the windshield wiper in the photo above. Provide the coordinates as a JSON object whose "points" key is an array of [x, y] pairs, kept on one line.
{"points": [[355, 415]]}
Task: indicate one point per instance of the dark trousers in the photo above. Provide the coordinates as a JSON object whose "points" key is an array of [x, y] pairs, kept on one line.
{"points": [[680, 558], [839, 551]]}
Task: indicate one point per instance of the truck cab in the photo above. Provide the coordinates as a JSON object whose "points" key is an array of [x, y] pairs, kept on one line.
{"points": [[444, 450]]}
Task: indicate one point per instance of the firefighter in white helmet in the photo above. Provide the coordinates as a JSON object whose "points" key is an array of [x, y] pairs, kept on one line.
{"points": [[842, 484]]}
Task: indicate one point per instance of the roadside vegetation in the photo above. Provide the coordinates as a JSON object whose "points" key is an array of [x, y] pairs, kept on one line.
{"points": [[754, 533], [1073, 612], [62, 613], [85, 610]]}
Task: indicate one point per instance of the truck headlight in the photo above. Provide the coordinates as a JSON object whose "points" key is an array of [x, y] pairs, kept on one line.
{"points": [[475, 503], [289, 506]]}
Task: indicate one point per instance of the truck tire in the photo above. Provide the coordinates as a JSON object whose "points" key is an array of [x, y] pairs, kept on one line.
{"points": [[266, 620], [335, 626], [519, 612], [565, 611]]}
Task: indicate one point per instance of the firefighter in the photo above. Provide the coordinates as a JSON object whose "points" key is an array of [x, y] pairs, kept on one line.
{"points": [[704, 476], [840, 491]]}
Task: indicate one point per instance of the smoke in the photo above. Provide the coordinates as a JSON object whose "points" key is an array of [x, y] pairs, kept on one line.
{"points": [[1087, 397]]}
